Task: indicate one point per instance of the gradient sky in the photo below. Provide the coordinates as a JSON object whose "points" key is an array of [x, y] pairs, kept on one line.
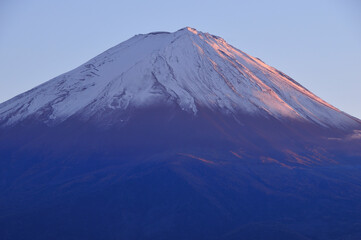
{"points": [[318, 43]]}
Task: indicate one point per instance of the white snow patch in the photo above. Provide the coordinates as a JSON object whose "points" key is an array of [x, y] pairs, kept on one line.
{"points": [[189, 68]]}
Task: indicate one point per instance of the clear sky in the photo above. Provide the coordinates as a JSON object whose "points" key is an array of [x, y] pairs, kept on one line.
{"points": [[318, 43]]}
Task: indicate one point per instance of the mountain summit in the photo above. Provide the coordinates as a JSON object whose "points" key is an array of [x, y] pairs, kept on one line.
{"points": [[177, 136], [186, 68]]}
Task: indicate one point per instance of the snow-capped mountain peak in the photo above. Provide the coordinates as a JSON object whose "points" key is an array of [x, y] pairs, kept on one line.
{"points": [[188, 68]]}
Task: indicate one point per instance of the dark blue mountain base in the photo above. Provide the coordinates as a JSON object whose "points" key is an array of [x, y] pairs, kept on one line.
{"points": [[166, 174]]}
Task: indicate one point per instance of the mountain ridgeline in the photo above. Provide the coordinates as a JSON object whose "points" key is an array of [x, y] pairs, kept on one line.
{"points": [[177, 136]]}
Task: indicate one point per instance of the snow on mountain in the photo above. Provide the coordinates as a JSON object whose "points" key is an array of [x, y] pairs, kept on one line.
{"points": [[189, 68]]}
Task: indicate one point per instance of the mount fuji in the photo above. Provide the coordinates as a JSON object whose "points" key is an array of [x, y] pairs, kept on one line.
{"points": [[177, 136], [189, 69]]}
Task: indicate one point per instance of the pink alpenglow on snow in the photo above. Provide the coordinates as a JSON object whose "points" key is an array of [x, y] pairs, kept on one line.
{"points": [[189, 68]]}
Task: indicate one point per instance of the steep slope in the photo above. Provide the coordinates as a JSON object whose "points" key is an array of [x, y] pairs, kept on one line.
{"points": [[188, 68], [177, 136]]}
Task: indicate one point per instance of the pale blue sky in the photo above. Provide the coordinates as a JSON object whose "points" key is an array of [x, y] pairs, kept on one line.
{"points": [[318, 43]]}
